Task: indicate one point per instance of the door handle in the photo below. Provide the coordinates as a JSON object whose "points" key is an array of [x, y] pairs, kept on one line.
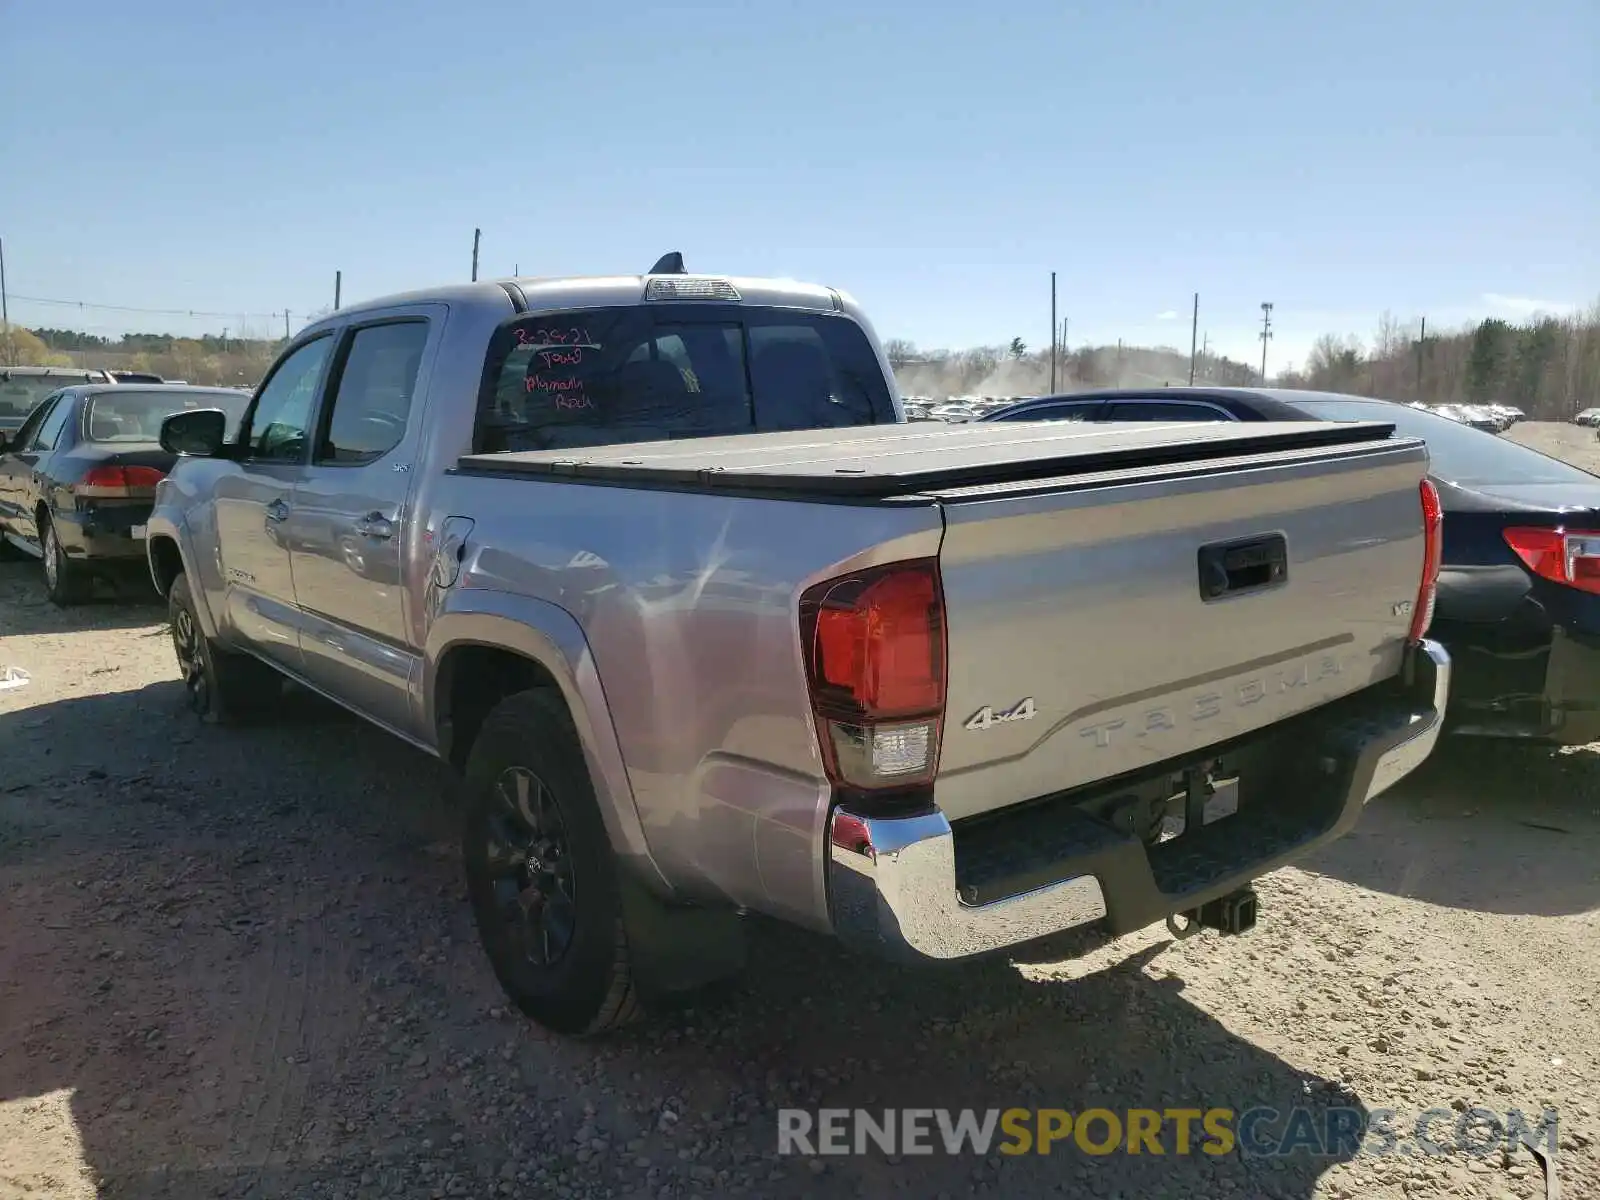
{"points": [[375, 525], [277, 511]]}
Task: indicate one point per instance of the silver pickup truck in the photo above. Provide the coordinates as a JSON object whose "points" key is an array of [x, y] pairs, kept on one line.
{"points": [[709, 630]]}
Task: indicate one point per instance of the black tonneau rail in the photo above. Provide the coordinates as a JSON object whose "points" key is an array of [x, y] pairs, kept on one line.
{"points": [[881, 461]]}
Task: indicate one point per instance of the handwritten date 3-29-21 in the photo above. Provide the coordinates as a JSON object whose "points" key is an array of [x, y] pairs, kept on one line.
{"points": [[542, 338]]}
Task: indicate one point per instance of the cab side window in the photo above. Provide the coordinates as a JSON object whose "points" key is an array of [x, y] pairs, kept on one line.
{"points": [[373, 396], [281, 419]]}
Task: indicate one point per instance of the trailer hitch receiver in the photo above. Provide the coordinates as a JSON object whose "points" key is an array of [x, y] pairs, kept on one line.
{"points": [[1233, 913]]}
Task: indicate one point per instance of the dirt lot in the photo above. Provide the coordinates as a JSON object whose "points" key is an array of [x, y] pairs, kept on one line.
{"points": [[239, 963]]}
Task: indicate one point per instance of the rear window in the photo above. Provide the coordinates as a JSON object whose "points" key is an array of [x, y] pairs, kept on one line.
{"points": [[19, 393], [128, 416], [1457, 453], [646, 373]]}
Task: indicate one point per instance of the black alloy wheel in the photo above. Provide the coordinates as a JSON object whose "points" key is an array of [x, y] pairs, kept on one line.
{"points": [[529, 867]]}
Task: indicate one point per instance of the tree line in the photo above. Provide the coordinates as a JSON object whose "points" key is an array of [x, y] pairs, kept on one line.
{"points": [[209, 359], [1548, 366]]}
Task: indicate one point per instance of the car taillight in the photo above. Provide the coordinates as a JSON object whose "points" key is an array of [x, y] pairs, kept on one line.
{"points": [[1569, 556], [1432, 557], [875, 664], [110, 481]]}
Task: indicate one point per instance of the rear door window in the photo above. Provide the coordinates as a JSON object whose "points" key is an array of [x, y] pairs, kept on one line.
{"points": [[372, 403], [1067, 410], [636, 373], [25, 435], [1163, 410], [49, 435]]}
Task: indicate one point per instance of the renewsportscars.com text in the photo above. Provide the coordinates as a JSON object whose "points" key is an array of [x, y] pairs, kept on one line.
{"points": [[1338, 1132]]}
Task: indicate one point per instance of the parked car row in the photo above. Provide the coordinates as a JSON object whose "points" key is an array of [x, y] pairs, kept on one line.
{"points": [[956, 409], [1494, 418]]}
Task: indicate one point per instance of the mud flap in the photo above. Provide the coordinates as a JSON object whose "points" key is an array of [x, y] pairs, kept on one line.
{"points": [[678, 949]]}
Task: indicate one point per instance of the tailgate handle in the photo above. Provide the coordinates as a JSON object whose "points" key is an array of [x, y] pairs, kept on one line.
{"points": [[1253, 565]]}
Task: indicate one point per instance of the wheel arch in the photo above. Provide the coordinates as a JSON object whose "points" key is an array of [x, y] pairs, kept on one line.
{"points": [[493, 644], [166, 561]]}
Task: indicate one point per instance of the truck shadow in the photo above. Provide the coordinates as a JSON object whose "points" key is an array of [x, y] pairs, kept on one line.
{"points": [[240, 963], [123, 599], [1497, 827]]}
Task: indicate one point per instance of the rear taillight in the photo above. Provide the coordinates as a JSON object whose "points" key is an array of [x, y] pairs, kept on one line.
{"points": [[1569, 556], [875, 664], [1432, 556], [111, 481]]}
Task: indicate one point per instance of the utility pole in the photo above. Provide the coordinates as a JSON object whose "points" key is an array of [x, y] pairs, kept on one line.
{"points": [[1194, 334], [476, 234], [338, 287], [1266, 336], [1065, 322], [1054, 346], [5, 311], [286, 324]]}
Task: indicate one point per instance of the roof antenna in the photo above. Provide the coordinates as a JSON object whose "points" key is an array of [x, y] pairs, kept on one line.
{"points": [[670, 263]]}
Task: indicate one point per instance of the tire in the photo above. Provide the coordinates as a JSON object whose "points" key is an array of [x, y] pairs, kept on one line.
{"points": [[222, 686], [541, 875], [66, 582]]}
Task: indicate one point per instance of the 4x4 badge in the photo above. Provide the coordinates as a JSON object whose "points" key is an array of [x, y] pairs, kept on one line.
{"points": [[987, 718]]}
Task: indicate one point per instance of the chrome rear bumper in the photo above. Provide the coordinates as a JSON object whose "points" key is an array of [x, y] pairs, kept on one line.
{"points": [[893, 885]]}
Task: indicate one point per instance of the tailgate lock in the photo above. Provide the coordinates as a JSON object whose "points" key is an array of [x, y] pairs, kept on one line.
{"points": [[1252, 565]]}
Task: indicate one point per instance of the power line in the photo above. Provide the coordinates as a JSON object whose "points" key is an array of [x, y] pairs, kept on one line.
{"points": [[157, 312]]}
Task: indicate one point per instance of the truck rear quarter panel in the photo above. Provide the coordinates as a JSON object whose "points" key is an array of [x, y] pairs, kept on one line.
{"points": [[689, 607]]}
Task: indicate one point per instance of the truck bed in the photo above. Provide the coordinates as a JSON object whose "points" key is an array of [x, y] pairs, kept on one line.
{"points": [[887, 461]]}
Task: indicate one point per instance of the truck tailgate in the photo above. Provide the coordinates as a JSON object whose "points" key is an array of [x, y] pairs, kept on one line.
{"points": [[1099, 624]]}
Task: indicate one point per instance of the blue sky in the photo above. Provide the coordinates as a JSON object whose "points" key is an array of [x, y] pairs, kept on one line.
{"points": [[937, 159]]}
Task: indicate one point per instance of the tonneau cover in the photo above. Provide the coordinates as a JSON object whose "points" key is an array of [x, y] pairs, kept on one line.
{"points": [[890, 460]]}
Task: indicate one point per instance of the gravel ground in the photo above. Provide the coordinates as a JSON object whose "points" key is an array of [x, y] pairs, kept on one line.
{"points": [[240, 963]]}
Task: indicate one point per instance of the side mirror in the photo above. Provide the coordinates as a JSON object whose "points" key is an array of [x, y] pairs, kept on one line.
{"points": [[197, 432]]}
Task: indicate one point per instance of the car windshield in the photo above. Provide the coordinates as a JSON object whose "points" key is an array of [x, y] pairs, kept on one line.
{"points": [[129, 416], [1458, 453], [19, 393], [637, 373]]}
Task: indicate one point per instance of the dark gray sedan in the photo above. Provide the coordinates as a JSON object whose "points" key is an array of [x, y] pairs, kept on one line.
{"points": [[78, 480]]}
